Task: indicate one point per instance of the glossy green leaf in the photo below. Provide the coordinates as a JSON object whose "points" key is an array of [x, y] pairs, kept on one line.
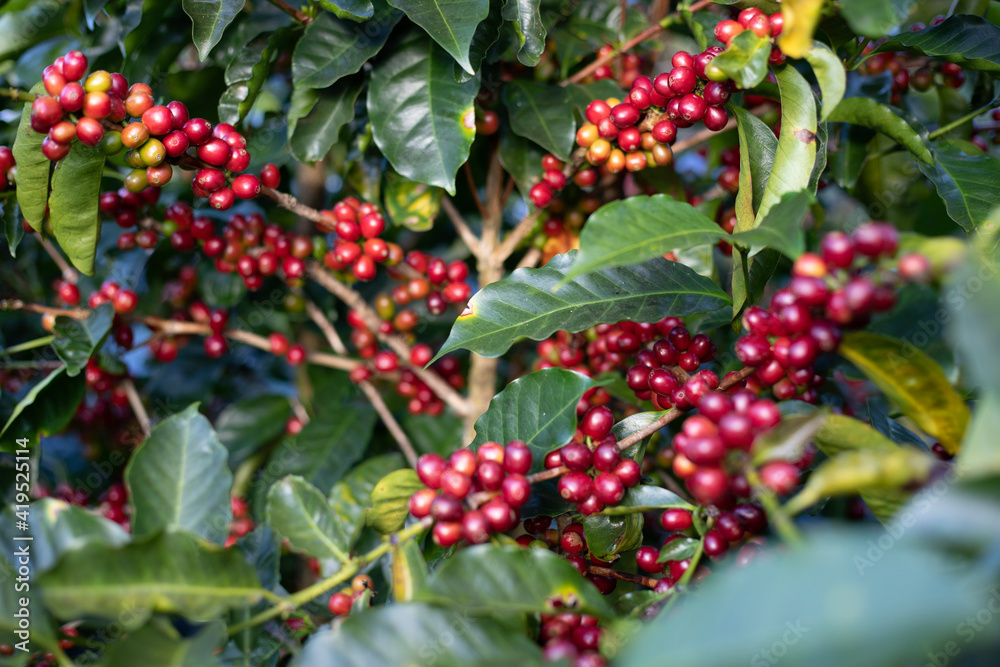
{"points": [[633, 230], [492, 579], [855, 604], [300, 513], [351, 497], [911, 380], [12, 228], [830, 74], [390, 500], [788, 440], [966, 39], [441, 434], [645, 497], [209, 19], [57, 527], [76, 341], [401, 634], [538, 408], [48, 406], [422, 119], [452, 23], [534, 303], [326, 448], [355, 10], [313, 135], [32, 167], [159, 644], [781, 229], [796, 152], [966, 182], [172, 573], [874, 18], [486, 35], [680, 549], [526, 16], [980, 455], [178, 479], [542, 113], [249, 71], [745, 59], [92, 9], [973, 301], [331, 49], [410, 204], [73, 204], [758, 146], [869, 113], [246, 425], [610, 536]]}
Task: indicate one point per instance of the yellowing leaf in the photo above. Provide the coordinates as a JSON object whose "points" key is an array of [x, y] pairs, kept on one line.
{"points": [[801, 17]]}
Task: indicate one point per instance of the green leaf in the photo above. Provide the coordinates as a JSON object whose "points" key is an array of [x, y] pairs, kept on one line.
{"points": [[76, 341], [758, 146], [782, 228], [409, 571], [452, 23], [862, 609], [41, 632], [32, 167], [247, 425], [331, 49], [298, 512], [390, 500], [840, 433], [12, 227], [911, 380], [486, 35], [520, 158], [60, 396], [789, 438], [519, 580], [398, 634], [171, 573], [680, 549], [966, 183], [526, 15], [73, 204], [645, 497], [351, 497], [538, 408], [609, 536], [830, 74], [971, 41], [633, 230], [980, 455], [355, 10], [410, 204], [874, 18], [423, 121], [249, 71], [178, 479], [869, 113], [441, 434], [745, 59], [542, 113], [973, 302], [796, 151], [222, 290], [159, 644], [326, 448], [209, 19], [313, 135], [57, 527], [534, 303]]}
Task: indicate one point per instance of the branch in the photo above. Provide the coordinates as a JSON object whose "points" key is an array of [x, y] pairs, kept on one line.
{"points": [[332, 337], [471, 241], [649, 582], [371, 319], [17, 95], [472, 188], [69, 274], [291, 11], [137, 407]]}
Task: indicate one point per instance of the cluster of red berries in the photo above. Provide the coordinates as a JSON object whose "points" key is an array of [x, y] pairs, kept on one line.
{"points": [[242, 522], [341, 602], [358, 246], [829, 291], [8, 169], [92, 111], [571, 637], [660, 373], [438, 283], [757, 22], [631, 67], [992, 131], [421, 398], [597, 474], [112, 504], [494, 469]]}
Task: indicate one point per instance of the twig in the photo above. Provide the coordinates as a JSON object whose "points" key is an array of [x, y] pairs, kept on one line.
{"points": [[69, 274], [291, 11], [17, 304], [332, 337], [298, 409], [461, 226], [472, 188], [371, 319], [642, 580], [17, 95], [530, 259], [137, 407], [290, 203]]}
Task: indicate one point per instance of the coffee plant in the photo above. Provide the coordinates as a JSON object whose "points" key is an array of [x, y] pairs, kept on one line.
{"points": [[499, 332]]}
